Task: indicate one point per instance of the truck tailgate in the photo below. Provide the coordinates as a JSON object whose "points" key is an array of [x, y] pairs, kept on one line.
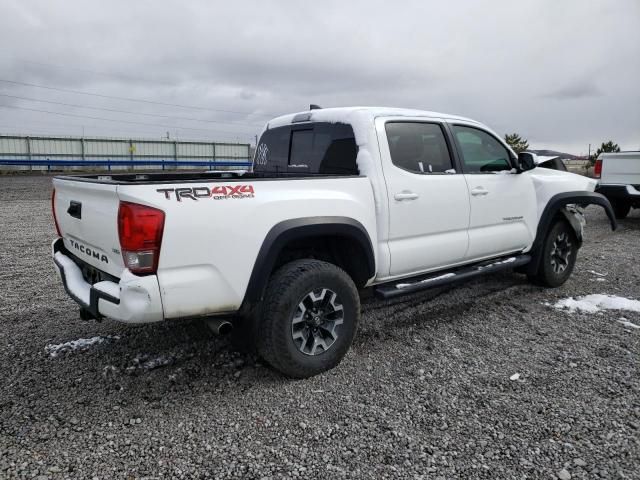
{"points": [[87, 215], [622, 168]]}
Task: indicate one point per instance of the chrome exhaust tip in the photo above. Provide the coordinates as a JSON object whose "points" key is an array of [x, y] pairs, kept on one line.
{"points": [[219, 326]]}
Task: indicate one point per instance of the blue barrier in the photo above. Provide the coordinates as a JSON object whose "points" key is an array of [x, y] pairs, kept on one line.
{"points": [[124, 163]]}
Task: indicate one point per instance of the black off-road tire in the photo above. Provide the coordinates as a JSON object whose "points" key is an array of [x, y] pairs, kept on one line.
{"points": [[552, 271], [289, 287], [620, 209]]}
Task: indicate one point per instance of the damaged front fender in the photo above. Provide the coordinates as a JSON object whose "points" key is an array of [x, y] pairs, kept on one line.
{"points": [[566, 204], [576, 219], [582, 199]]}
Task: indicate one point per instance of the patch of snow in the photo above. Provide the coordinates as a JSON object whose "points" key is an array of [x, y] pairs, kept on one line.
{"points": [[55, 350], [109, 371], [595, 303], [544, 158], [627, 323], [508, 260], [345, 114], [157, 362], [73, 275], [362, 120], [367, 167], [148, 362], [110, 288], [598, 274], [426, 280], [515, 376], [501, 262]]}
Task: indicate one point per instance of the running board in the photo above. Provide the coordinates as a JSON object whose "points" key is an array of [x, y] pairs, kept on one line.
{"points": [[416, 284]]}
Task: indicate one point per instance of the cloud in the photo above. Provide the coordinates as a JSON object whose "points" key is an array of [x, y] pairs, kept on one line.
{"points": [[501, 62], [577, 90]]}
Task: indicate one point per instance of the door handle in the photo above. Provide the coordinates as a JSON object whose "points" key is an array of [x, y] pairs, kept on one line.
{"points": [[479, 191], [405, 196]]}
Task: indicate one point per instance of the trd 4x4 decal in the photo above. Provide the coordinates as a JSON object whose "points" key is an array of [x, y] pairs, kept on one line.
{"points": [[219, 192]]}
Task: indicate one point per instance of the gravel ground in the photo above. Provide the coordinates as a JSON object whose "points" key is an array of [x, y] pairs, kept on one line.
{"points": [[425, 391]]}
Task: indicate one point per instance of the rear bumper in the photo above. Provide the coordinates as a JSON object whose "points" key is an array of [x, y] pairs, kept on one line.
{"points": [[626, 193], [132, 300]]}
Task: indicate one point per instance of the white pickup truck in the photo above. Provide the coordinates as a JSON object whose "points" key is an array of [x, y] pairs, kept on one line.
{"points": [[338, 200], [618, 177]]}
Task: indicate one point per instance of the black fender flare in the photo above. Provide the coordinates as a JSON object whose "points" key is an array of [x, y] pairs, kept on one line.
{"points": [[557, 204], [294, 229]]}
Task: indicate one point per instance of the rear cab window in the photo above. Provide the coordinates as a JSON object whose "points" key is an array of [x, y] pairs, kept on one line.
{"points": [[308, 148]]}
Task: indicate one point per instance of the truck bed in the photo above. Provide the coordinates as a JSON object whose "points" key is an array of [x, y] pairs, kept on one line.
{"points": [[191, 177], [210, 243]]}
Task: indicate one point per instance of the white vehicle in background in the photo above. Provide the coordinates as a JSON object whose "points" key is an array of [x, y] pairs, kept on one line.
{"points": [[338, 200], [619, 180]]}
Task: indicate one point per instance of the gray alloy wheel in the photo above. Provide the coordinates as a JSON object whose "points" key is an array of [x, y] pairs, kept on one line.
{"points": [[308, 319], [316, 322], [561, 252]]}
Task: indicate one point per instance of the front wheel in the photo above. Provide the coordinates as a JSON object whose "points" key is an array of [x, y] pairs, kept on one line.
{"points": [[559, 253], [309, 318]]}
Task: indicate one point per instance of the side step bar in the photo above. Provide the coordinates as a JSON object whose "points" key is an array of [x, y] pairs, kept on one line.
{"points": [[416, 284]]}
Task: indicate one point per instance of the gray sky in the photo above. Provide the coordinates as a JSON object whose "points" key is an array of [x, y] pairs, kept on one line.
{"points": [[561, 73]]}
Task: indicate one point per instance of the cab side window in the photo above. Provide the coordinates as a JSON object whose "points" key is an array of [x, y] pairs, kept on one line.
{"points": [[481, 152], [418, 147]]}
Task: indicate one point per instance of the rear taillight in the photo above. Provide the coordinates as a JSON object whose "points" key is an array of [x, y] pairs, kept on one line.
{"points": [[140, 231], [53, 212], [597, 168]]}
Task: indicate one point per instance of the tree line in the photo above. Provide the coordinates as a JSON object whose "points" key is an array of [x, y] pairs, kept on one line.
{"points": [[520, 144]]}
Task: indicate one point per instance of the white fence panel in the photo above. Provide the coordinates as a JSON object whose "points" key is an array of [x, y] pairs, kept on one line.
{"points": [[110, 150]]}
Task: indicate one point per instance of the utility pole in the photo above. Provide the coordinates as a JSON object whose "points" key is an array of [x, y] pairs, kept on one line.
{"points": [[589, 157]]}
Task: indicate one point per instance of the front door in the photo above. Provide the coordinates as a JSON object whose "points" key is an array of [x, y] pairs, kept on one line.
{"points": [[428, 199], [503, 202]]}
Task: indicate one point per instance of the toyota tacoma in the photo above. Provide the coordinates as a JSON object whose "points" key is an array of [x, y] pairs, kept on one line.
{"points": [[337, 201]]}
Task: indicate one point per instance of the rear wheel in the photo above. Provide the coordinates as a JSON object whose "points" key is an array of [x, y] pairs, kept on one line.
{"points": [[559, 253], [621, 209], [309, 318]]}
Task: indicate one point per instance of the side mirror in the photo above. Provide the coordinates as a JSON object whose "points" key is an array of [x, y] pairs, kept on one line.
{"points": [[527, 161]]}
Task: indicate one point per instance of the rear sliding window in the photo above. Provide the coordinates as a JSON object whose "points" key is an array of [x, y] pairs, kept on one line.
{"points": [[322, 148]]}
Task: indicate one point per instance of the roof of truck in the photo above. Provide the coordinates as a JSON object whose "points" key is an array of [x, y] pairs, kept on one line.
{"points": [[348, 115]]}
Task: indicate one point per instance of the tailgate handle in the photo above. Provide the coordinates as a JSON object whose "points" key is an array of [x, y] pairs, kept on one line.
{"points": [[75, 209]]}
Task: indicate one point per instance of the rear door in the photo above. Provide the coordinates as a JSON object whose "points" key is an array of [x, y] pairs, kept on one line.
{"points": [[428, 197], [503, 203], [87, 214]]}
